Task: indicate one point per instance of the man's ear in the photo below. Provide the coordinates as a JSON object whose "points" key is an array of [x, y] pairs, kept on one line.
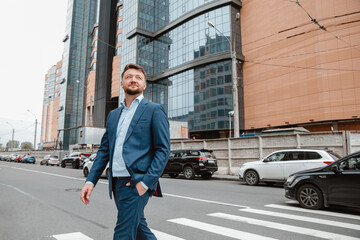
{"points": [[121, 84]]}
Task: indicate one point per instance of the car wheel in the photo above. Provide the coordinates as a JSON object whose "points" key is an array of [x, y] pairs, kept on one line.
{"points": [[310, 197], [86, 171], [206, 176], [75, 165], [63, 165], [173, 175], [41, 163], [189, 173], [251, 178]]}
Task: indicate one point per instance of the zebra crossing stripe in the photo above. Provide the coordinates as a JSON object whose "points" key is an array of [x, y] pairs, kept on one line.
{"points": [[164, 236], [333, 214], [283, 227], [228, 232], [72, 236], [302, 218]]}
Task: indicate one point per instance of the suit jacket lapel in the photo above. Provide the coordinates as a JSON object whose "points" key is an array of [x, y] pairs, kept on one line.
{"points": [[113, 127], [139, 111]]}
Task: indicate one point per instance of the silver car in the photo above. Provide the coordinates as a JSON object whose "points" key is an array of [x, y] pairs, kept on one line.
{"points": [[50, 160], [277, 166], [88, 164]]}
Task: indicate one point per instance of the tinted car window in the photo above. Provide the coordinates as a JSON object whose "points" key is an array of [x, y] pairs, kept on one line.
{"points": [[334, 155], [312, 155], [351, 164], [194, 153], [207, 154], [178, 154], [276, 157], [172, 154]]}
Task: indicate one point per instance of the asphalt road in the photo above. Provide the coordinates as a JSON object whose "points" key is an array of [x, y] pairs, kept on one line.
{"points": [[43, 202]]}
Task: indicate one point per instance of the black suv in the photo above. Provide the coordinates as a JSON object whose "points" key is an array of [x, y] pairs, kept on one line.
{"points": [[191, 162], [337, 183], [75, 160]]}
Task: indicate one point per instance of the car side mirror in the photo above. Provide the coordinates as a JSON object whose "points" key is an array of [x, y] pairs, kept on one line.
{"points": [[335, 169], [266, 160]]}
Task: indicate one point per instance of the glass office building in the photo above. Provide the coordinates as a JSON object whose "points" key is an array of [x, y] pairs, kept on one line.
{"points": [[79, 23], [187, 61]]}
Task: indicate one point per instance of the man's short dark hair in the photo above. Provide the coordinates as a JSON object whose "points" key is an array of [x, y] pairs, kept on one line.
{"points": [[133, 66]]}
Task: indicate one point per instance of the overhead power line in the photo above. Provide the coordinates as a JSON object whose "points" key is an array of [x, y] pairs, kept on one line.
{"points": [[318, 24], [314, 68]]}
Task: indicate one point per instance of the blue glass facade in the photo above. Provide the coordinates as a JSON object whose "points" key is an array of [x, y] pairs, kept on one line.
{"points": [[79, 23], [188, 62]]}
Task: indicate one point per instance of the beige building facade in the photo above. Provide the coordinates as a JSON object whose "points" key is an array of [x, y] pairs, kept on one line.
{"points": [[300, 71], [49, 123]]}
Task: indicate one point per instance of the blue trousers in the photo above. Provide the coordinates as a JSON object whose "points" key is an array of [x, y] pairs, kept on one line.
{"points": [[131, 223]]}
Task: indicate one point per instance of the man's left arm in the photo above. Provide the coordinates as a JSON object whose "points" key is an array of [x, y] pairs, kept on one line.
{"points": [[161, 144]]}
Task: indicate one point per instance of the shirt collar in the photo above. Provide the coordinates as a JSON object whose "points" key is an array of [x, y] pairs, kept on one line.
{"points": [[138, 99]]}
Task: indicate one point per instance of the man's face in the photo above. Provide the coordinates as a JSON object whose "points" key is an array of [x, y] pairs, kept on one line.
{"points": [[133, 82]]}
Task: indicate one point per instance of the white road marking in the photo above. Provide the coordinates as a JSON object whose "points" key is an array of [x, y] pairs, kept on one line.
{"points": [[164, 236], [20, 191], [302, 218], [299, 209], [228, 232], [72, 236], [284, 227], [55, 175], [204, 200], [165, 194]]}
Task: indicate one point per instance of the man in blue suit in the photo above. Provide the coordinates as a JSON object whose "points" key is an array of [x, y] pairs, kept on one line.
{"points": [[137, 144]]}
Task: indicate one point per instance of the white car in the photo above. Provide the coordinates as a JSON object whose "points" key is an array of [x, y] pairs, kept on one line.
{"points": [[277, 166], [88, 164]]}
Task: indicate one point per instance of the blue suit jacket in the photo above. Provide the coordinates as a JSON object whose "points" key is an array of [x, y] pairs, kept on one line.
{"points": [[146, 147]]}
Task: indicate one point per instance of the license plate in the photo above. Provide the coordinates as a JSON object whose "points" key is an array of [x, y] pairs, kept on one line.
{"points": [[211, 161]]}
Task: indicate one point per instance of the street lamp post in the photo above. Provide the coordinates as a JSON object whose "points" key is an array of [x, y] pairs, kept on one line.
{"points": [[231, 113], [234, 82], [35, 127], [12, 138]]}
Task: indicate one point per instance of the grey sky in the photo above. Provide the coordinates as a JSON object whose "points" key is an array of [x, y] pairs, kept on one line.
{"points": [[30, 43]]}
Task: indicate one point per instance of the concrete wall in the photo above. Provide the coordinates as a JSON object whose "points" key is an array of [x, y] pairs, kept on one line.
{"points": [[232, 153]]}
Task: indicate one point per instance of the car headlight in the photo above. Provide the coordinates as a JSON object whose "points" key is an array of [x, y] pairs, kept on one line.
{"points": [[290, 179]]}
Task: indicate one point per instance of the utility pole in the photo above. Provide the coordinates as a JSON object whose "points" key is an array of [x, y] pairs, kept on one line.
{"points": [[35, 127], [234, 83], [12, 138]]}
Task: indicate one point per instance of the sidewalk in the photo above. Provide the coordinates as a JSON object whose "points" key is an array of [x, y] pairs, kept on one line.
{"points": [[225, 177]]}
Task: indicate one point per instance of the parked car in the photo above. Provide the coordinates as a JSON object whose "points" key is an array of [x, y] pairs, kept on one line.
{"points": [[53, 160], [88, 165], [277, 166], [19, 158], [44, 160], [13, 158], [191, 162], [50, 160], [75, 160], [335, 184], [28, 159]]}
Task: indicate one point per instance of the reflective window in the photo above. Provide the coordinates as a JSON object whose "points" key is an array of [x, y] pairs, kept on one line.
{"points": [[195, 96]]}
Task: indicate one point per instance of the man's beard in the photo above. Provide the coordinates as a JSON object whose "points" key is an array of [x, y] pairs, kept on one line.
{"points": [[132, 92]]}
